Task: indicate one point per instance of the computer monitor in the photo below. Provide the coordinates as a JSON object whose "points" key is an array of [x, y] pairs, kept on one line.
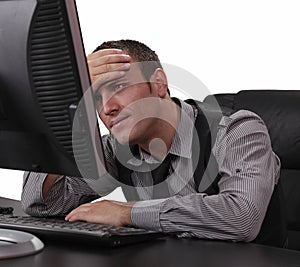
{"points": [[48, 121]]}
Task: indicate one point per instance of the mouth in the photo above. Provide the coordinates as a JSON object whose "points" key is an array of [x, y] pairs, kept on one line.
{"points": [[118, 122]]}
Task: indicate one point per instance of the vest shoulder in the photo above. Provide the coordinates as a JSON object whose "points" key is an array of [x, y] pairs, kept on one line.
{"points": [[211, 112]]}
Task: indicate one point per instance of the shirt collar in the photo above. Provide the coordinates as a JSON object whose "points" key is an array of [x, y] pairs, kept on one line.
{"points": [[182, 141]]}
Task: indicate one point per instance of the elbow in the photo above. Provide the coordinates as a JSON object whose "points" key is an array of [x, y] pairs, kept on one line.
{"points": [[246, 234], [25, 205], [248, 225], [40, 210], [29, 209], [33, 208]]}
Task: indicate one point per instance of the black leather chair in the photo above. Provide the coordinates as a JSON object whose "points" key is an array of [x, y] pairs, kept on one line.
{"points": [[280, 109]]}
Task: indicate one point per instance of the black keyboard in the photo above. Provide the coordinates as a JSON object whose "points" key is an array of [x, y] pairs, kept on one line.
{"points": [[77, 231]]}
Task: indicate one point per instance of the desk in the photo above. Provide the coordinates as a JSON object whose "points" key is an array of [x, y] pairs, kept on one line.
{"points": [[169, 252]]}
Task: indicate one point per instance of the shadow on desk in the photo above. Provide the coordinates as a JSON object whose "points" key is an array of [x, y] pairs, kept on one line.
{"points": [[172, 252], [167, 252]]}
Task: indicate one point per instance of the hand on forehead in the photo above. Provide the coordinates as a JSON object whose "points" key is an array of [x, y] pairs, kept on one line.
{"points": [[107, 64]]}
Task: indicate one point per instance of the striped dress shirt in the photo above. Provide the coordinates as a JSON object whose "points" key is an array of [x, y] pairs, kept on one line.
{"points": [[248, 167]]}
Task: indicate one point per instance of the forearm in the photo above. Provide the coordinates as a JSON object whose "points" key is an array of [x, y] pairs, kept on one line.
{"points": [[59, 195], [48, 183], [235, 214], [249, 171], [64, 194], [198, 215]]}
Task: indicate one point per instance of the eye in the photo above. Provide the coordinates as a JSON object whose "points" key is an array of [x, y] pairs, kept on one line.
{"points": [[119, 86]]}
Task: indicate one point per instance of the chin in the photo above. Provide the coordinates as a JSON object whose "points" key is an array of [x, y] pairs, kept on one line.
{"points": [[124, 140], [121, 138], [133, 137]]}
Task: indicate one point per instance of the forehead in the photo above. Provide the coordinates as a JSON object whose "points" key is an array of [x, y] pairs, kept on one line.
{"points": [[132, 76], [135, 72]]}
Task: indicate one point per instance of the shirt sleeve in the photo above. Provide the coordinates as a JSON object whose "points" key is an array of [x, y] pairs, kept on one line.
{"points": [[67, 192], [249, 170]]}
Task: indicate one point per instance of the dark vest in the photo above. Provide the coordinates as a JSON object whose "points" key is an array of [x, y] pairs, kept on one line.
{"points": [[206, 177]]}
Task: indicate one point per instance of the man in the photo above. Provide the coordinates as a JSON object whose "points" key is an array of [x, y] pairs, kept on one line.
{"points": [[134, 103]]}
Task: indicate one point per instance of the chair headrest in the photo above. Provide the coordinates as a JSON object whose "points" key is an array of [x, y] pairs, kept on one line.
{"points": [[280, 110]]}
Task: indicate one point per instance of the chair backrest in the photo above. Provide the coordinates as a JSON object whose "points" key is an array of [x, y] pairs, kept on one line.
{"points": [[280, 110]]}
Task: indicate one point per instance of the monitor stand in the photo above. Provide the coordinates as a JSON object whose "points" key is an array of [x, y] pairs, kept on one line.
{"points": [[15, 243]]}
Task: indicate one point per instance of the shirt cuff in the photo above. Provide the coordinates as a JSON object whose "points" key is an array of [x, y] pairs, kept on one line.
{"points": [[145, 214]]}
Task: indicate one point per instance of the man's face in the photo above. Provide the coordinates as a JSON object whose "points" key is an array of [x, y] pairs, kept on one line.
{"points": [[127, 107]]}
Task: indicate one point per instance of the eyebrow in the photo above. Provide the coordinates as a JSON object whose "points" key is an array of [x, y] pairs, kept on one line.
{"points": [[114, 82]]}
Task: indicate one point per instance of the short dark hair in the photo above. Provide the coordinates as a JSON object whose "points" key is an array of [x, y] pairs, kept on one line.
{"points": [[140, 52]]}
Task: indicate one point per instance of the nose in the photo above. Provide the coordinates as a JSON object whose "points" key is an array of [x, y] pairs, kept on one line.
{"points": [[110, 104]]}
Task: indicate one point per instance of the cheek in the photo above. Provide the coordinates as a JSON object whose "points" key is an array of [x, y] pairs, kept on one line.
{"points": [[142, 128]]}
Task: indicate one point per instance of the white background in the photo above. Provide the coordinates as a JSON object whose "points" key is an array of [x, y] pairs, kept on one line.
{"points": [[229, 45]]}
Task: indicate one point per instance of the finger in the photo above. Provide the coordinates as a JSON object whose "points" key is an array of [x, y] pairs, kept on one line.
{"points": [[79, 216], [80, 209], [100, 80], [76, 215], [104, 52], [109, 68], [108, 59]]}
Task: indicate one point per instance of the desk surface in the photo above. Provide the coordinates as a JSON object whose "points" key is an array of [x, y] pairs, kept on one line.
{"points": [[168, 252]]}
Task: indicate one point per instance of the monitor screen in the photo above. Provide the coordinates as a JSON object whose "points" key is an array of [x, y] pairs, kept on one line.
{"points": [[48, 121]]}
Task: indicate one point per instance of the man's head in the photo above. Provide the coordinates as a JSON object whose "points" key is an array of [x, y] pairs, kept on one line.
{"points": [[139, 52], [130, 89]]}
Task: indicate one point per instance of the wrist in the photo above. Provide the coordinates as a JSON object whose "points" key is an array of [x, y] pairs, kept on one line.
{"points": [[126, 215]]}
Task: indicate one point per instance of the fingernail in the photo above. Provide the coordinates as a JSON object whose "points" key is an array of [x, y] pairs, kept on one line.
{"points": [[126, 66]]}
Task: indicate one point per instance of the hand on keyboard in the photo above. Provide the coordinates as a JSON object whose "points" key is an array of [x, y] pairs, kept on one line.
{"points": [[105, 212], [78, 231]]}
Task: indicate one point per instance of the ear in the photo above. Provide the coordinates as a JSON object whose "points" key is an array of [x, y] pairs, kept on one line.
{"points": [[159, 83]]}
